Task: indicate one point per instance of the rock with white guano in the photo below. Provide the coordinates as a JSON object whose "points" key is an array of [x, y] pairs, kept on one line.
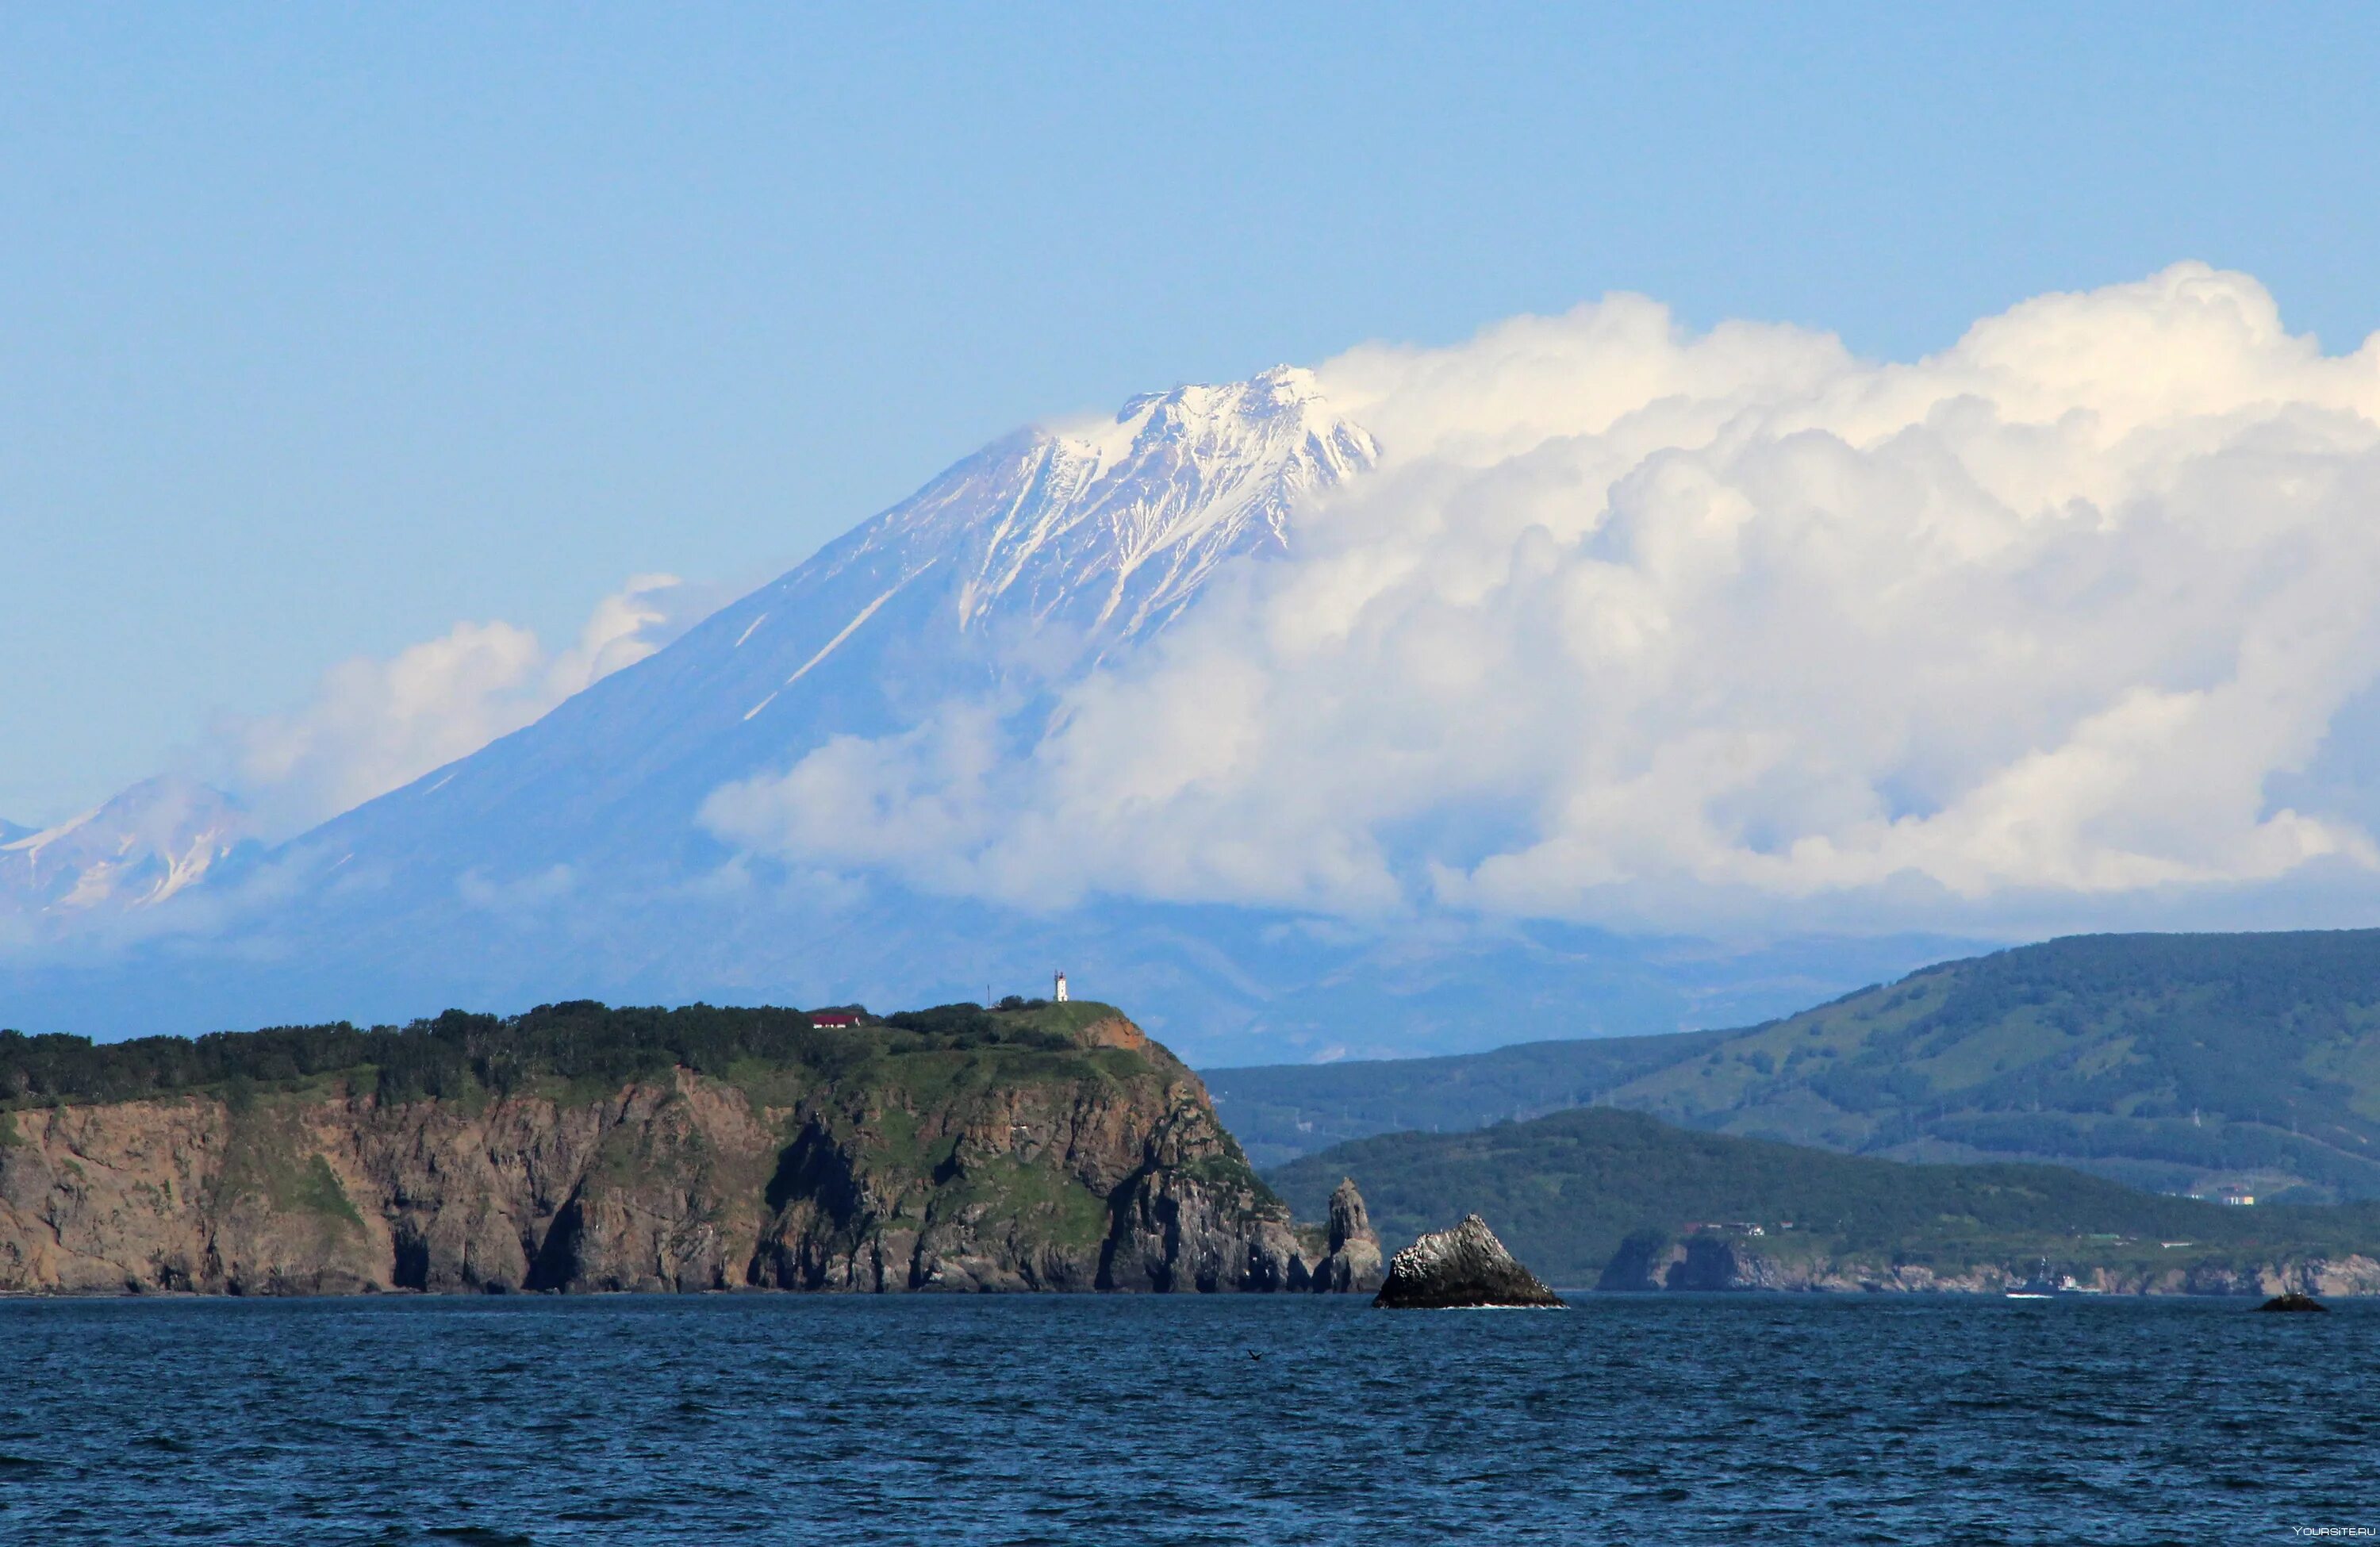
{"points": [[1462, 1267]]}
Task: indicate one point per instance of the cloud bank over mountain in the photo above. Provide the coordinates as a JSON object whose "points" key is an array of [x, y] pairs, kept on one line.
{"points": [[1652, 630], [1590, 677]]}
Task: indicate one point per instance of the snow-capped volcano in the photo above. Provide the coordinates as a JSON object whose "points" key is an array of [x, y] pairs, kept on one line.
{"points": [[1100, 533], [1114, 527], [569, 857], [1015, 570], [572, 858]]}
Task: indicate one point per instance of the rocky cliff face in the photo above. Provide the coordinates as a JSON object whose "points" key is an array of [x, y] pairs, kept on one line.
{"points": [[1099, 1168], [1718, 1263]]}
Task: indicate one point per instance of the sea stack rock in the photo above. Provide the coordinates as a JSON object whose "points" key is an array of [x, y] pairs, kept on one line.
{"points": [[1352, 1263], [2293, 1301], [1464, 1266]]}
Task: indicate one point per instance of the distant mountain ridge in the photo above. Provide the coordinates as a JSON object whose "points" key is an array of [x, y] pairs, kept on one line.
{"points": [[145, 845], [1282, 1111], [2175, 1063]]}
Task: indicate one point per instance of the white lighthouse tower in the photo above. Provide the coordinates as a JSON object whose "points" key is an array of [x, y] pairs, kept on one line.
{"points": [[1061, 994]]}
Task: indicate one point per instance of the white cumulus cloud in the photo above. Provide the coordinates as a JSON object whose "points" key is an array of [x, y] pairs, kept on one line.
{"points": [[374, 724], [1646, 627]]}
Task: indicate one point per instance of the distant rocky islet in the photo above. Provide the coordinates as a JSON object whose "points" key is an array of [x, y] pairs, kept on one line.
{"points": [[1464, 1268]]}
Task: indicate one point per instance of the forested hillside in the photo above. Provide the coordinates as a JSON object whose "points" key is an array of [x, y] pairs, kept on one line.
{"points": [[1566, 1192], [2172, 1062], [1281, 1110]]}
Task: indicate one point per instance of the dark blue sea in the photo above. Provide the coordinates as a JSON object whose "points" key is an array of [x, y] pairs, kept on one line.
{"points": [[779, 1419]]}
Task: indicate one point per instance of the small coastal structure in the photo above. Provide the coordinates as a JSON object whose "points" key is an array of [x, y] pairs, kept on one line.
{"points": [[1058, 993]]}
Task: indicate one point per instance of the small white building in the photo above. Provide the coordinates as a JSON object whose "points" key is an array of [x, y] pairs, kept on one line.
{"points": [[1061, 994]]}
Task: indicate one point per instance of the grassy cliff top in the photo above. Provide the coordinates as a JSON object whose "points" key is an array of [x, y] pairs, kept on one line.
{"points": [[586, 1045]]}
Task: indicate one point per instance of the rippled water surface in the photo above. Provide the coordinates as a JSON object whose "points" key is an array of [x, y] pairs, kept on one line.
{"points": [[1111, 1419]]}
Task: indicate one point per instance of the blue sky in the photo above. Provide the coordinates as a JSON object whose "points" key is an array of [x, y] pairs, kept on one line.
{"points": [[322, 330]]}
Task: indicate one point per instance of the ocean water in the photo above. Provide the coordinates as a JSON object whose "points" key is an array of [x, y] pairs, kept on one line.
{"points": [[782, 1419]]}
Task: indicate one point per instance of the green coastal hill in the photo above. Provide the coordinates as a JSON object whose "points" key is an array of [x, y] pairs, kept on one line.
{"points": [[1597, 1196], [582, 1148], [2173, 1063]]}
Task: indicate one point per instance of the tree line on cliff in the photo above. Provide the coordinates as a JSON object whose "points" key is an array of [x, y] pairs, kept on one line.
{"points": [[458, 1051]]}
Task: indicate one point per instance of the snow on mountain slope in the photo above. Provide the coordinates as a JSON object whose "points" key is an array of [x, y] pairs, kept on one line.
{"points": [[1017, 568], [139, 848], [568, 860], [1115, 529], [1012, 572]]}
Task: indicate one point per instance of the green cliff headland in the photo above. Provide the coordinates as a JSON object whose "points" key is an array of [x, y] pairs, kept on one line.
{"points": [[580, 1148]]}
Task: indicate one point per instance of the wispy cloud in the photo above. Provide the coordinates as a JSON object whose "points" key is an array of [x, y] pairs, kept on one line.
{"points": [[1634, 625], [371, 724]]}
